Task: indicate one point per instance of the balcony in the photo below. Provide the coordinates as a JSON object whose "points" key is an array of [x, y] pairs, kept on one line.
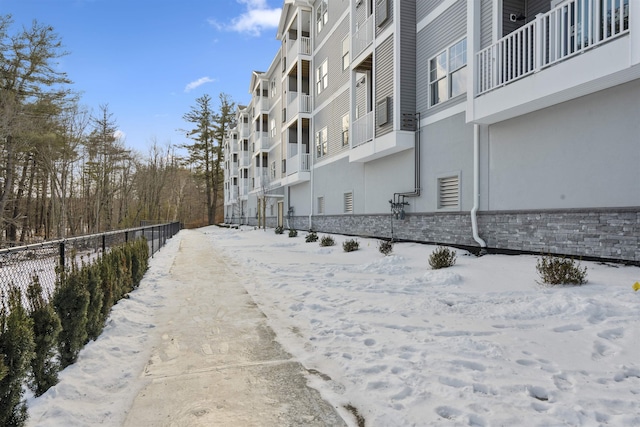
{"points": [[298, 169], [232, 194], [362, 37], [363, 129], [244, 188], [233, 170], [261, 105], [244, 130], [262, 141], [297, 47], [244, 160], [577, 48], [297, 103]]}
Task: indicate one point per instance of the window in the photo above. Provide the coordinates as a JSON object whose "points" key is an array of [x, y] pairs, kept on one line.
{"points": [[273, 88], [321, 142], [348, 202], [448, 73], [345, 53], [345, 130], [322, 77], [449, 192], [273, 128], [273, 170], [321, 205], [322, 15]]}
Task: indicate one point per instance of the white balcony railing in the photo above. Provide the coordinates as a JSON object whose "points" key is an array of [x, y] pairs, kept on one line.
{"points": [[363, 36], [299, 163], [244, 130], [362, 129], [262, 105], [245, 160], [565, 31], [244, 187], [261, 140], [297, 47], [298, 103], [234, 169]]}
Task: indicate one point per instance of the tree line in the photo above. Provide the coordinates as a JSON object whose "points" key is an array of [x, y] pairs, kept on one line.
{"points": [[64, 171]]}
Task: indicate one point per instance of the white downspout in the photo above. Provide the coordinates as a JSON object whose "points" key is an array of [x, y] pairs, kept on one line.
{"points": [[476, 186]]}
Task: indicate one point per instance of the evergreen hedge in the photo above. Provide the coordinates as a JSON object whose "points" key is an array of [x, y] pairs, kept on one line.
{"points": [[17, 347], [46, 328], [37, 342]]}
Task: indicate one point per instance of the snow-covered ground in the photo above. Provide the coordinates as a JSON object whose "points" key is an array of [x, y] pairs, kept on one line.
{"points": [[481, 343]]}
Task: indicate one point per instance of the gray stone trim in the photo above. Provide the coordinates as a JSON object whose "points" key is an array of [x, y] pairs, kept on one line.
{"points": [[612, 233]]}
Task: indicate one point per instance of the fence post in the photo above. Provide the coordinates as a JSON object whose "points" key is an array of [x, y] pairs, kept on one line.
{"points": [[104, 244], [62, 254], [126, 237]]}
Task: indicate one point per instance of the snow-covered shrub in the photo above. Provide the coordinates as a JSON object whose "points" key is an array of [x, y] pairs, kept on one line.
{"points": [[385, 247], [16, 351], [350, 245], [442, 257], [46, 327], [279, 229], [71, 302], [327, 241], [561, 271], [311, 237], [293, 233]]}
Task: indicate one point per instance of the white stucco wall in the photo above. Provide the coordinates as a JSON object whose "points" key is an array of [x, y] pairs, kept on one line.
{"points": [[579, 154]]}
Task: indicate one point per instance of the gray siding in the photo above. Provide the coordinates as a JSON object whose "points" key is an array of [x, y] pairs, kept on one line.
{"points": [[332, 50], [336, 9], [331, 118], [440, 34], [389, 20], [407, 58], [425, 7], [337, 108], [384, 82], [486, 23]]}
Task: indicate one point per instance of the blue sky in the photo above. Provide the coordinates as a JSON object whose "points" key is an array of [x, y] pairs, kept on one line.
{"points": [[150, 59]]}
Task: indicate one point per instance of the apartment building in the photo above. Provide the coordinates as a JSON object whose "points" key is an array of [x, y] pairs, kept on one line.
{"points": [[499, 124]]}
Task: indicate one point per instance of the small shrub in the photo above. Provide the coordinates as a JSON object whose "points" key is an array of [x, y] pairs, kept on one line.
{"points": [[16, 349], [311, 237], [442, 257], [279, 229], [293, 233], [385, 247], [46, 328], [350, 245], [561, 271], [327, 241]]}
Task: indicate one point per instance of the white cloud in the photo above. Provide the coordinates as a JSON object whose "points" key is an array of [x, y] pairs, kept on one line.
{"points": [[196, 83], [257, 18]]}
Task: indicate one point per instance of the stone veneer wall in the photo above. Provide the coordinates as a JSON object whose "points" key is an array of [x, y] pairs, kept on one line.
{"points": [[598, 233]]}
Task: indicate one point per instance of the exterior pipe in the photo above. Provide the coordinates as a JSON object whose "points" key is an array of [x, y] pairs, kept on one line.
{"points": [[476, 186]]}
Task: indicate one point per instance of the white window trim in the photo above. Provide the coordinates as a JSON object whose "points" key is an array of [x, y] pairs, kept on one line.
{"points": [[322, 76], [320, 205], [345, 130], [448, 74], [322, 15], [346, 43], [321, 142]]}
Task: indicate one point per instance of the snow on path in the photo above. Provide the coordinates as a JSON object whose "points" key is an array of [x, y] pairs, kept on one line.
{"points": [[480, 344]]}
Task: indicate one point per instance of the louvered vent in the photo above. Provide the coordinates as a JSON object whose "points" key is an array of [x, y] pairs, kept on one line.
{"points": [[448, 192], [321, 205], [348, 202]]}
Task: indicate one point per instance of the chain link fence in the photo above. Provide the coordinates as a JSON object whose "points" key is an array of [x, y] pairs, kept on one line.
{"points": [[19, 266]]}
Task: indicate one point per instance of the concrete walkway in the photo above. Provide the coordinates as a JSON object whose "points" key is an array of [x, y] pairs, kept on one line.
{"points": [[218, 363]]}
